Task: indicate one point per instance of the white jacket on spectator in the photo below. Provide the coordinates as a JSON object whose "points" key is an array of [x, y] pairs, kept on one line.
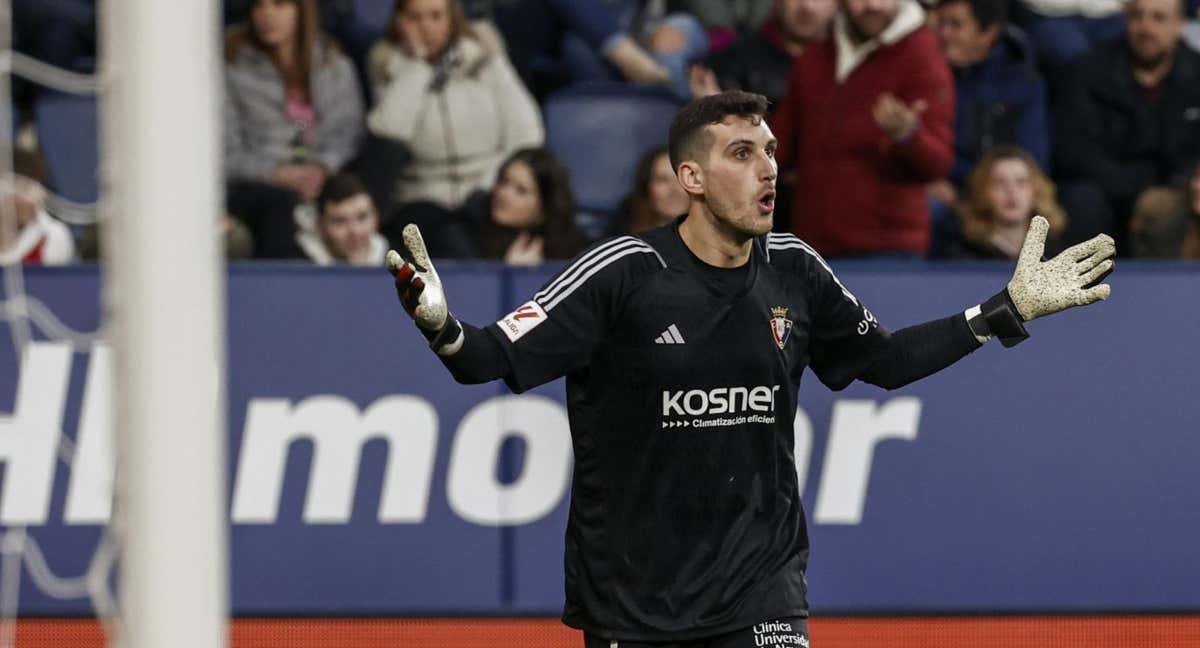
{"points": [[44, 241], [259, 136], [1086, 8], [459, 121]]}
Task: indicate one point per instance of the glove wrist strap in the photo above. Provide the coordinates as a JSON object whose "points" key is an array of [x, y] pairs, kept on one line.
{"points": [[998, 317], [446, 341]]}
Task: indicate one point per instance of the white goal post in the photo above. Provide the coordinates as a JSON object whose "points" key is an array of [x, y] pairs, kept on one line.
{"points": [[164, 292]]}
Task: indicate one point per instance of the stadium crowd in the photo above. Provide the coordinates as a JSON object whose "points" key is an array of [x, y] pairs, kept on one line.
{"points": [[906, 130]]}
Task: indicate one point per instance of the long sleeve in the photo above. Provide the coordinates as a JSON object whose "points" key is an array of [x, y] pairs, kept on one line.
{"points": [[918, 351], [1033, 128], [521, 121], [928, 152], [1079, 150], [241, 161], [481, 358], [400, 85], [340, 115]]}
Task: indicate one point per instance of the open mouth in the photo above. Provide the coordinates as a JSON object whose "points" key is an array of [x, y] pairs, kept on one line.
{"points": [[766, 203]]}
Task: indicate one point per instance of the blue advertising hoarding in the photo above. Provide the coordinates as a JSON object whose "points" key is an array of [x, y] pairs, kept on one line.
{"points": [[1061, 475]]}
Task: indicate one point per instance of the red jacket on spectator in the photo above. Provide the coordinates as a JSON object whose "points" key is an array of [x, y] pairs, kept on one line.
{"points": [[857, 191]]}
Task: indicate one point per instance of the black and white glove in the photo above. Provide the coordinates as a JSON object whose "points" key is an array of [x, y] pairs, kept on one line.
{"points": [[420, 291], [1039, 288]]}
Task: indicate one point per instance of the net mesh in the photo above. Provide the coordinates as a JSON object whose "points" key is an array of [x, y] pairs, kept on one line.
{"points": [[23, 562]]}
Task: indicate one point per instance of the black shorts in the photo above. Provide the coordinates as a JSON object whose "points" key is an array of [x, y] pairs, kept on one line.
{"points": [[787, 632]]}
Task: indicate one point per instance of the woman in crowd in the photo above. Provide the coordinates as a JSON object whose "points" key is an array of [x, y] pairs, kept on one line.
{"points": [[293, 115], [444, 89], [1004, 191], [656, 198], [529, 216]]}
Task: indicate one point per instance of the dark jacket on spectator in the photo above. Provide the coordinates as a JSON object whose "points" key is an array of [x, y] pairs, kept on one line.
{"points": [[1000, 100], [755, 62], [857, 190], [1115, 133]]}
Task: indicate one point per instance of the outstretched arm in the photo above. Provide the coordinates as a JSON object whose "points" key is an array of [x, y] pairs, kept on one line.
{"points": [[471, 355], [1037, 288], [554, 333]]}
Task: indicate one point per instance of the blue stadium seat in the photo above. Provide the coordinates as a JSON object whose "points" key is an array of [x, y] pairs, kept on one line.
{"points": [[599, 130], [374, 13], [68, 133]]}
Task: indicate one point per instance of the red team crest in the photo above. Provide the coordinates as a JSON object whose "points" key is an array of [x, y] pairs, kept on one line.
{"points": [[781, 326]]}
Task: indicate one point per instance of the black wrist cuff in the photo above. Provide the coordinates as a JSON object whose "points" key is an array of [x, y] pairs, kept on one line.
{"points": [[1002, 320], [448, 334]]}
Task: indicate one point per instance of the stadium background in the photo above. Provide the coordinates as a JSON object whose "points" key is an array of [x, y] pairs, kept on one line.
{"points": [[1052, 485], [1043, 496]]}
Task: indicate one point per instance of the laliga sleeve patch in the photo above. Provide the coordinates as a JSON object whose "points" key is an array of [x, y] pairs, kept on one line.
{"points": [[521, 321]]}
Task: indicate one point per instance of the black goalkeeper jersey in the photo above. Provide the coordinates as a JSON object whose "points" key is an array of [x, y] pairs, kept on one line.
{"points": [[685, 517]]}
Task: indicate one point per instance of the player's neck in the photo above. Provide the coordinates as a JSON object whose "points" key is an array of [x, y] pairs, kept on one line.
{"points": [[711, 241]]}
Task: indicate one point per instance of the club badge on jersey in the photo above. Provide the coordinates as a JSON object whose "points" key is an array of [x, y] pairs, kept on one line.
{"points": [[781, 326]]}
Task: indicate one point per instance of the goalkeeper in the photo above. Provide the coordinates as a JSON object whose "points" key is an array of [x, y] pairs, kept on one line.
{"points": [[683, 349]]}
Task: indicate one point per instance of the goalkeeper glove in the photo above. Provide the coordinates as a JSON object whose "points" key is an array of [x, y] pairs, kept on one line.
{"points": [[420, 291], [1041, 288]]}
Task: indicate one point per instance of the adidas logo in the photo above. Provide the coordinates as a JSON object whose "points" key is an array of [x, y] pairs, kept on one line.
{"points": [[669, 336]]}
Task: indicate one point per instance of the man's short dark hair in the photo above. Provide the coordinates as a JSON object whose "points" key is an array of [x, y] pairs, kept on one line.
{"points": [[339, 188], [986, 12], [689, 139]]}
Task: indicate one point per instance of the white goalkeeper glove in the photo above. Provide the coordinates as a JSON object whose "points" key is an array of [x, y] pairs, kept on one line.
{"points": [[1045, 287], [1041, 288], [420, 291]]}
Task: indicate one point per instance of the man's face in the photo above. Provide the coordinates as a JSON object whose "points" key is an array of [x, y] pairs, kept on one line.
{"points": [[963, 40], [346, 228], [1154, 29], [805, 20], [739, 175], [868, 18]]}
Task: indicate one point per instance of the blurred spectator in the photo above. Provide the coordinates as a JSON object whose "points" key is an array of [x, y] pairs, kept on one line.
{"points": [[1129, 120], [293, 115], [59, 32], [866, 125], [556, 42], [1191, 241], [1004, 191], [236, 239], [1064, 30], [999, 98], [37, 238], [338, 18], [445, 89], [759, 61], [529, 215], [1166, 222], [656, 199], [675, 39], [346, 227]]}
